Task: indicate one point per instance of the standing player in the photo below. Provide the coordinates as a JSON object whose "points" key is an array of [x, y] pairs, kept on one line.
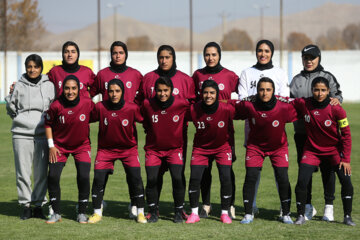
{"points": [[164, 117], [130, 77], [213, 123], [67, 131], [184, 88], [250, 77], [328, 144], [301, 87], [116, 140], [267, 117], [70, 66], [227, 82]]}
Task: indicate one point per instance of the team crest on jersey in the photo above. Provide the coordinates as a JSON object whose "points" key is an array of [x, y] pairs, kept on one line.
{"points": [[264, 115], [70, 112], [82, 117], [253, 121], [221, 87], [176, 118], [209, 118], [114, 114], [125, 122], [275, 123], [163, 112], [307, 118], [128, 84], [221, 124], [105, 121], [81, 85], [328, 123], [176, 91], [60, 83], [316, 113], [106, 85]]}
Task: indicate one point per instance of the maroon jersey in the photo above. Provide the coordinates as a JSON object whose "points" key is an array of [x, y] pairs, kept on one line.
{"points": [[322, 128], [212, 130], [116, 127], [70, 126], [131, 78], [183, 86], [85, 75], [227, 81], [164, 127], [267, 128]]}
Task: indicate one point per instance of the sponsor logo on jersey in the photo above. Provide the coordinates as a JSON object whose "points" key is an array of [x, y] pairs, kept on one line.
{"points": [[125, 122], [48, 116], [60, 83], [317, 113], [221, 87], [163, 112], [176, 118], [82, 117], [117, 76], [114, 114], [264, 115], [307, 118], [106, 85], [253, 121], [105, 121], [128, 84], [221, 124], [210, 78], [70, 112], [328, 123], [176, 91], [275, 123], [81, 85], [209, 118]]}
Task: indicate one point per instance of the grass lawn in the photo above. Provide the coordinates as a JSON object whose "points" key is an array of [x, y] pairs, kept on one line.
{"points": [[117, 225]]}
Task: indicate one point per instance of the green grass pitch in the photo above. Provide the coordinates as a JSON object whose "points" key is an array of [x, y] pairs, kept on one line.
{"points": [[117, 225]]}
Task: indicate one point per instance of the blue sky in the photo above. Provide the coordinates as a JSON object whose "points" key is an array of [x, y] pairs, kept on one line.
{"points": [[66, 15]]}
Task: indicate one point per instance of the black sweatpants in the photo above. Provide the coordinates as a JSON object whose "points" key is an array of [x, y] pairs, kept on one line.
{"points": [[305, 173], [134, 180], [83, 183]]}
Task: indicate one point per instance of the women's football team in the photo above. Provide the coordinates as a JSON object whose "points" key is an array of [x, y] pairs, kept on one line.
{"points": [[57, 107]]}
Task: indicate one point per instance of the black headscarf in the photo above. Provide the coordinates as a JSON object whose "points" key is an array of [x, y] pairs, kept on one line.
{"points": [[38, 62], [172, 71], [265, 106], [210, 109], [63, 99], [116, 67], [70, 68], [320, 105], [166, 81], [120, 104], [218, 67], [268, 65]]}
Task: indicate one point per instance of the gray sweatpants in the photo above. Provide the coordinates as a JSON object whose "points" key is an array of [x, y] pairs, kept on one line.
{"points": [[31, 154]]}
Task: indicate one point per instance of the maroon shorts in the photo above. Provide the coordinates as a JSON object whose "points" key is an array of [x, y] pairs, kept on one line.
{"points": [[105, 159], [255, 157], [202, 156], [155, 158], [315, 159], [80, 154]]}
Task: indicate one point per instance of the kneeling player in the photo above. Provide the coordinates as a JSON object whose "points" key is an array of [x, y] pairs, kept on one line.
{"points": [[164, 117], [328, 145], [213, 123], [116, 140]]}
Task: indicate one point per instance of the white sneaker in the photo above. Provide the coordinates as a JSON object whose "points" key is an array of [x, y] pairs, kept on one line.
{"points": [[328, 213], [310, 212], [287, 219], [132, 211], [248, 218]]}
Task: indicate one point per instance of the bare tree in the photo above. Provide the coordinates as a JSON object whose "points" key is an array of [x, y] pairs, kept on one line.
{"points": [[141, 43], [237, 40], [296, 41], [351, 36]]}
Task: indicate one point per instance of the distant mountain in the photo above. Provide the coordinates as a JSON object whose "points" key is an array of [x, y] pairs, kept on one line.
{"points": [[312, 22]]}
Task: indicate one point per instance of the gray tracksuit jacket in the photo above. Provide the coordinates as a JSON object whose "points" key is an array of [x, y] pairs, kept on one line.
{"points": [[27, 106], [300, 86]]}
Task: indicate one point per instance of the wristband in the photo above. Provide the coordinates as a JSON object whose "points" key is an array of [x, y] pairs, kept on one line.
{"points": [[51, 143]]}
